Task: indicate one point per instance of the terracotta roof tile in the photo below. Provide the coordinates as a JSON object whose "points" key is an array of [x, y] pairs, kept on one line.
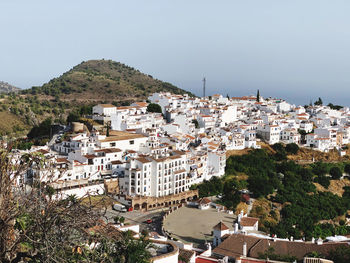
{"points": [[248, 221], [220, 226]]}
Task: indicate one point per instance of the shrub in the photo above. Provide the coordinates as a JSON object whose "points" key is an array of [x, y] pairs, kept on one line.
{"points": [[292, 148], [335, 172], [347, 168], [153, 107]]}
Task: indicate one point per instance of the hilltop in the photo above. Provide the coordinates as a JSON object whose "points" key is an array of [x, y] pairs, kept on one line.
{"points": [[103, 81], [7, 88], [87, 84]]}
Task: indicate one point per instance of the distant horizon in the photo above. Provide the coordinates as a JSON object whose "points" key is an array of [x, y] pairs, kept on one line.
{"points": [[297, 50], [210, 91]]}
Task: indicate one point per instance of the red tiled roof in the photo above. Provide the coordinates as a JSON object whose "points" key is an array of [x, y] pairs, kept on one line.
{"points": [[248, 221], [89, 156], [220, 226], [205, 260], [233, 247], [205, 201]]}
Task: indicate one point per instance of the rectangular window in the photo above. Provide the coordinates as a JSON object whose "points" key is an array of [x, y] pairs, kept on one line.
{"points": [[131, 142]]}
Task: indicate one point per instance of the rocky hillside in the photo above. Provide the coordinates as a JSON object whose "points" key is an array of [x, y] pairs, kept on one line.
{"points": [[7, 88], [103, 80]]}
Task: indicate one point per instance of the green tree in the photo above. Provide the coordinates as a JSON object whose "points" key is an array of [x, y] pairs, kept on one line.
{"points": [[196, 124], [292, 148], [340, 255], [347, 168], [153, 107], [335, 172], [42, 130], [258, 96], [319, 102], [73, 116]]}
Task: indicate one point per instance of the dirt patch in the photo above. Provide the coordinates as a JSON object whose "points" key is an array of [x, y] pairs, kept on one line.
{"points": [[266, 146], [308, 155], [238, 176], [335, 187], [237, 152], [265, 210], [99, 201]]}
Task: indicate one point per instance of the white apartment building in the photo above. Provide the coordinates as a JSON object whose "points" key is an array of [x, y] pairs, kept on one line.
{"points": [[148, 176], [270, 133], [290, 136]]}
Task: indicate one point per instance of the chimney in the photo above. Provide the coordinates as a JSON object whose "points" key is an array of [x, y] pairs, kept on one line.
{"points": [[209, 249], [236, 227], [291, 238], [313, 240], [245, 249]]}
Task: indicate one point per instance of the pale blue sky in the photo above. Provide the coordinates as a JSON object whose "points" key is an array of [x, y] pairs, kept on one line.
{"points": [[296, 49]]}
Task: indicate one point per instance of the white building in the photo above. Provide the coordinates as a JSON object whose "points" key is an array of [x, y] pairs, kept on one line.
{"points": [[103, 112]]}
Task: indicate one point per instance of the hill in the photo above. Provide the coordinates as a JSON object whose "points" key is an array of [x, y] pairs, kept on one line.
{"points": [[89, 83], [7, 88], [103, 81]]}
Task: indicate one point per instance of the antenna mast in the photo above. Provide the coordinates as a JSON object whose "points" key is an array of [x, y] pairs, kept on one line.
{"points": [[204, 87]]}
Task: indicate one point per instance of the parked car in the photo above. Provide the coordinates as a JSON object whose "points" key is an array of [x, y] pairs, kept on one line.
{"points": [[149, 221], [119, 207]]}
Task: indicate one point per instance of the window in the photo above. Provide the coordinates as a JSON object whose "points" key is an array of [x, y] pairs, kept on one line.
{"points": [[131, 142], [112, 144]]}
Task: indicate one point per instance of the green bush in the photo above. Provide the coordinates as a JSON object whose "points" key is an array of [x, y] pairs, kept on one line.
{"points": [[335, 172], [153, 107], [292, 148]]}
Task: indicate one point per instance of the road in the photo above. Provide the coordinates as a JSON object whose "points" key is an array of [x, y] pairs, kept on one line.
{"points": [[56, 135]]}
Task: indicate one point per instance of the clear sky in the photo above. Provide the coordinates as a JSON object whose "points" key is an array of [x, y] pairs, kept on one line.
{"points": [[295, 49]]}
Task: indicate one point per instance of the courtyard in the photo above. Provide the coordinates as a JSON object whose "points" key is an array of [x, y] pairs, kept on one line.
{"points": [[194, 225]]}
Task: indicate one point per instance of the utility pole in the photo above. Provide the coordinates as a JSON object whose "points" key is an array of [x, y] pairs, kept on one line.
{"points": [[204, 87]]}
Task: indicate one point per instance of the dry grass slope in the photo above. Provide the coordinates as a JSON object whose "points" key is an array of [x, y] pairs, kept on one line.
{"points": [[335, 187], [10, 123]]}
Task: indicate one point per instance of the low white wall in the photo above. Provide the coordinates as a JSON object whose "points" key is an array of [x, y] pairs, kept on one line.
{"points": [[96, 189]]}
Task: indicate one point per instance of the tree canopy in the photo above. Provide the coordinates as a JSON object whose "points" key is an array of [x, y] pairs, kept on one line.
{"points": [[287, 184], [154, 107], [319, 102]]}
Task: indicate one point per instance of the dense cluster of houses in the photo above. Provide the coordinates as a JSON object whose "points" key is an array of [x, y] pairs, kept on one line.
{"points": [[160, 154]]}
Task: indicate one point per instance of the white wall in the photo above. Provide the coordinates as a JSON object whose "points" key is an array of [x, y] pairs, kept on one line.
{"points": [[97, 189]]}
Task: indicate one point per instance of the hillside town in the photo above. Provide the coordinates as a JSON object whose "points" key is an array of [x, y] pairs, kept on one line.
{"points": [[148, 159], [159, 154]]}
